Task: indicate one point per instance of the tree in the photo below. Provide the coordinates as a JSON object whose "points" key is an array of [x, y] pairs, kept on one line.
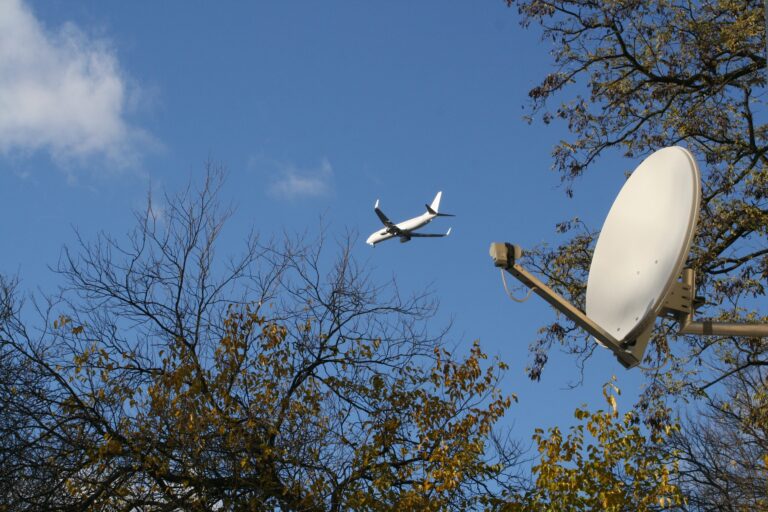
{"points": [[159, 381], [619, 470], [662, 73], [723, 452], [633, 76]]}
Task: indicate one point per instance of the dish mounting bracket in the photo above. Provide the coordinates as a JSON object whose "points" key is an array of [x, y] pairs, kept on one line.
{"points": [[681, 304]]}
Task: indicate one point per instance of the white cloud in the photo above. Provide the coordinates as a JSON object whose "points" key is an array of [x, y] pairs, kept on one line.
{"points": [[61, 92], [290, 182]]}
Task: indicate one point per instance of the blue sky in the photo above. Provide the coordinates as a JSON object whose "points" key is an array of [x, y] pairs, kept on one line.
{"points": [[316, 110]]}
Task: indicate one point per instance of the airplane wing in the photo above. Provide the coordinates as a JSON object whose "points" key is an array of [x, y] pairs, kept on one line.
{"points": [[430, 234], [391, 227]]}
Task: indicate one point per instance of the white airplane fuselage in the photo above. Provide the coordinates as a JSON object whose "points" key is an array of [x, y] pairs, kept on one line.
{"points": [[406, 226]]}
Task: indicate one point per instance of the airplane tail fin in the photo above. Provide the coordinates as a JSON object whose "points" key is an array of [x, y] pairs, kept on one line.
{"points": [[434, 208]]}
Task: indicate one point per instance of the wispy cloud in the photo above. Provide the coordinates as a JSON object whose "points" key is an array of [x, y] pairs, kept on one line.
{"points": [[287, 181], [61, 92]]}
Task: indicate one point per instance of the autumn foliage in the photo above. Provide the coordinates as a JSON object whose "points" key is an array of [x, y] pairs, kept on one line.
{"points": [[291, 381], [605, 462], [250, 427], [627, 78]]}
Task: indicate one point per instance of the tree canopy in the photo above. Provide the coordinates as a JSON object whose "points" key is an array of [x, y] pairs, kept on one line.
{"points": [[605, 462], [631, 77], [158, 380], [636, 76]]}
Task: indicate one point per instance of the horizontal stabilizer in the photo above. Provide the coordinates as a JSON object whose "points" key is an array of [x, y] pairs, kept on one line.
{"points": [[437, 214]]}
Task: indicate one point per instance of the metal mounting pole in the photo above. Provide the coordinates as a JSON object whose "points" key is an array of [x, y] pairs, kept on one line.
{"points": [[629, 354], [683, 309]]}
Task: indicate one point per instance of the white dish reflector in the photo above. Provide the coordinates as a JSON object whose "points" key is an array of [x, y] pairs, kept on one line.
{"points": [[644, 243]]}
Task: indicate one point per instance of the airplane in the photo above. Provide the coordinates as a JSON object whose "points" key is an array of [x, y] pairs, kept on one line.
{"points": [[405, 230]]}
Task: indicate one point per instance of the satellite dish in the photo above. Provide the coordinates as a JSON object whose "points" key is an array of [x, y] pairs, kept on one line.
{"points": [[637, 262], [644, 243]]}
